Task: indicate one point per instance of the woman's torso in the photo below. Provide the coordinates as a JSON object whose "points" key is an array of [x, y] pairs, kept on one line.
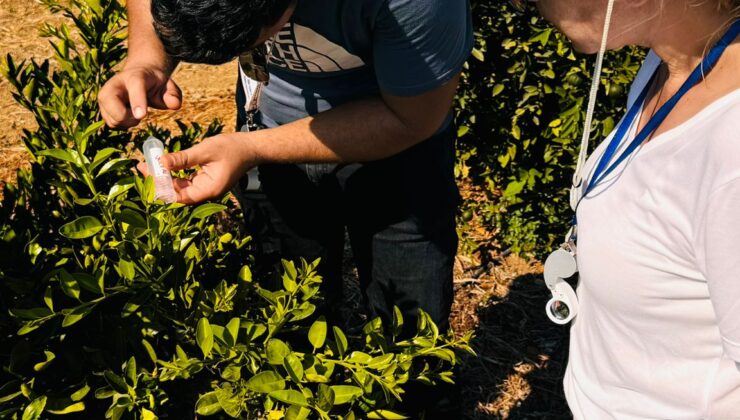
{"points": [[646, 342]]}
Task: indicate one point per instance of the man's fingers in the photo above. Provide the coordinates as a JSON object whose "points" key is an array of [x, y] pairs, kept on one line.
{"points": [[143, 168], [172, 97], [137, 96], [193, 191], [184, 159], [112, 102], [168, 96]]}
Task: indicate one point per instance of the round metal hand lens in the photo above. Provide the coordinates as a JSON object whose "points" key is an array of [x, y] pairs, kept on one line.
{"points": [[563, 306]]}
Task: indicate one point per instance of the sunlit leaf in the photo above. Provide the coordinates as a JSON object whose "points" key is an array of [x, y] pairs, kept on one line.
{"points": [[204, 336], [83, 227]]}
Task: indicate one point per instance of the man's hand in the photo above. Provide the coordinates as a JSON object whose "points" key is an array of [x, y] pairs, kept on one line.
{"points": [[222, 160], [124, 99]]}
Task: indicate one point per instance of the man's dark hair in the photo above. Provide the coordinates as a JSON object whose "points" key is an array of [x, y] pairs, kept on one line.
{"points": [[213, 31]]}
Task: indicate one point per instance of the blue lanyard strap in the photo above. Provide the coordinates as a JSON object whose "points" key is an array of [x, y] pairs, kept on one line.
{"points": [[705, 67]]}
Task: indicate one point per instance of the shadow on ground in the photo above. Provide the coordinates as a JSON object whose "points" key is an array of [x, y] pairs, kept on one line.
{"points": [[522, 356]]}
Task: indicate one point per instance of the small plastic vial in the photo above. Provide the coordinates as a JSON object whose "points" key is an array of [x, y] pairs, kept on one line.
{"points": [[163, 189]]}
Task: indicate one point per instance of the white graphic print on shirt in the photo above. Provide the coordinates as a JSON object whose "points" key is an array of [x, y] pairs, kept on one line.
{"points": [[301, 49]]}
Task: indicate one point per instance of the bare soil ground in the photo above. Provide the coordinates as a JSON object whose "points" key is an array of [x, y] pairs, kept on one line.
{"points": [[208, 91], [521, 355]]}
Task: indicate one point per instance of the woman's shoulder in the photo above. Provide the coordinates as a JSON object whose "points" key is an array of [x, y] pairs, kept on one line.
{"points": [[717, 131]]}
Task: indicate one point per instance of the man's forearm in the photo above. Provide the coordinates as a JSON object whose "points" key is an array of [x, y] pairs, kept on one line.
{"points": [[360, 131], [144, 46], [357, 132]]}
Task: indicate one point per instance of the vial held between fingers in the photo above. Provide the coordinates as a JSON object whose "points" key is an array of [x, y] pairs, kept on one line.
{"points": [[163, 187]]}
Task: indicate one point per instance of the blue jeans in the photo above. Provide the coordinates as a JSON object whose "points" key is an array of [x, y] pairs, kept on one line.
{"points": [[400, 216]]}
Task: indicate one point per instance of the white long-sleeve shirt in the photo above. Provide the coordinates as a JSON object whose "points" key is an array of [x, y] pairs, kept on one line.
{"points": [[658, 330]]}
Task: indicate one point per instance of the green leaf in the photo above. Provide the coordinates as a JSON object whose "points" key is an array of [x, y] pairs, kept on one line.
{"points": [[127, 270], [101, 156], [230, 401], [381, 362], [31, 314], [232, 329], [72, 408], [232, 373], [147, 191], [478, 54], [80, 393], [397, 321], [131, 217], [205, 210], [325, 397], [290, 270], [32, 325], [385, 414], [131, 373], [35, 408], [9, 391], [90, 283], [317, 333], [294, 367], [85, 201], [208, 404], [204, 336], [83, 227], [60, 154], [341, 341], [345, 393], [148, 415], [49, 297], [112, 165], [253, 330], [245, 274], [76, 314], [149, 350], [497, 89], [38, 367], [290, 397], [116, 382], [296, 412], [265, 382], [276, 352], [120, 187], [104, 393], [69, 284], [359, 357]]}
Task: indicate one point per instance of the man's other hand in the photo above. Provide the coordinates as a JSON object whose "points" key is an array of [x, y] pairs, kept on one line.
{"points": [[220, 160], [125, 98]]}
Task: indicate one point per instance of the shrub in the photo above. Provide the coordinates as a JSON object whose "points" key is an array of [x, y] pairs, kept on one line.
{"points": [[521, 110], [117, 306]]}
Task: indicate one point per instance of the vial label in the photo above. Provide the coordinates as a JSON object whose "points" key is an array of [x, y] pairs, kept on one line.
{"points": [[159, 170]]}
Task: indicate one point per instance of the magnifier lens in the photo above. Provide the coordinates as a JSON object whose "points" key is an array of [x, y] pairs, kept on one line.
{"points": [[560, 310]]}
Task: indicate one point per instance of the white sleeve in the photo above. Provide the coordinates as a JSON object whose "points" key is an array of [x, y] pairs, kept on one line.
{"points": [[720, 249]]}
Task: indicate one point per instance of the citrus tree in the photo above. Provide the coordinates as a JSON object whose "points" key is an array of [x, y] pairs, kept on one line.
{"points": [[521, 109], [114, 305]]}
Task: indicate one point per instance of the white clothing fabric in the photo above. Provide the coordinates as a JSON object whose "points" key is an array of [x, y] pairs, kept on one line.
{"points": [[658, 329]]}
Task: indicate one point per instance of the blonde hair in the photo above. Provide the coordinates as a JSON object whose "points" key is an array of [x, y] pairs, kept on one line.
{"points": [[733, 6]]}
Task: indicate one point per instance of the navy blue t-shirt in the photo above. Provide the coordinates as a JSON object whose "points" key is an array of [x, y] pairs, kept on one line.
{"points": [[335, 51]]}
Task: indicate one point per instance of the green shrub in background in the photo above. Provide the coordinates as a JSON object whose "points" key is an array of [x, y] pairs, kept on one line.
{"points": [[521, 110], [116, 306]]}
